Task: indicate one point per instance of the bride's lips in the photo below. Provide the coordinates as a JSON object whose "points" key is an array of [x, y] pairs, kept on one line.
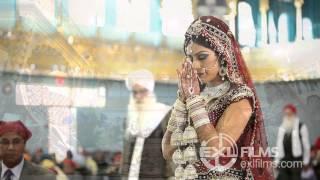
{"points": [[201, 72]]}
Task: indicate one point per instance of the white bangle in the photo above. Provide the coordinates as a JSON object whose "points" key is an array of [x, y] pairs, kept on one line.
{"points": [[197, 112], [172, 124], [171, 128], [201, 122], [197, 100], [180, 106]]}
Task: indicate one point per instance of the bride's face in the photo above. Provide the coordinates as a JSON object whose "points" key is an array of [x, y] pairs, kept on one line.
{"points": [[205, 62]]}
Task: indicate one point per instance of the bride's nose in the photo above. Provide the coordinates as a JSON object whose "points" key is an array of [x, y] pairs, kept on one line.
{"points": [[196, 65]]}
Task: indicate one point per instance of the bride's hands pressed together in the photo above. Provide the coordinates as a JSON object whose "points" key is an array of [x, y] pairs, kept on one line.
{"points": [[188, 81]]}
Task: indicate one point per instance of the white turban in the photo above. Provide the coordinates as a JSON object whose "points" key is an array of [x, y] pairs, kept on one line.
{"points": [[143, 78]]}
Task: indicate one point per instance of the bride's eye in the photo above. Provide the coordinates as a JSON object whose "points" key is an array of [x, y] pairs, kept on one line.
{"points": [[202, 56]]}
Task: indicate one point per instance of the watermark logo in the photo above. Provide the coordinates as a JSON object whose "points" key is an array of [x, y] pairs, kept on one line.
{"points": [[258, 163], [211, 156], [221, 152]]}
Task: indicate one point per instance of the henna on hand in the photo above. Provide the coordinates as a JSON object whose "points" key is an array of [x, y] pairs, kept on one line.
{"points": [[189, 80]]}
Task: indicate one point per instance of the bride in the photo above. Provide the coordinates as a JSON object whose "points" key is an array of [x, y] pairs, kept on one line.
{"points": [[216, 109]]}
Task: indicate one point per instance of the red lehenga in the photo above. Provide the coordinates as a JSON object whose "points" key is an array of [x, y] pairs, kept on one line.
{"points": [[217, 34]]}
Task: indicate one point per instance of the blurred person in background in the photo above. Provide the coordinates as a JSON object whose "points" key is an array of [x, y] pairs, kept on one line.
{"points": [[101, 159], [308, 172], [78, 157], [38, 155], [49, 162], [90, 164], [145, 127], [315, 157], [0, 152], [68, 165], [113, 171], [26, 155], [13, 138], [293, 145]]}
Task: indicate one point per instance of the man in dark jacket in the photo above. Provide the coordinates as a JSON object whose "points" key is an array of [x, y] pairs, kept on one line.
{"points": [[13, 138]]}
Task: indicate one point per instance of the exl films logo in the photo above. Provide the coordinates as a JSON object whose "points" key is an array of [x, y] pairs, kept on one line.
{"points": [[212, 156], [221, 152]]}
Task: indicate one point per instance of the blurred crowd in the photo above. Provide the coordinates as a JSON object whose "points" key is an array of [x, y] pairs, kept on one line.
{"points": [[315, 158], [102, 165], [82, 165]]}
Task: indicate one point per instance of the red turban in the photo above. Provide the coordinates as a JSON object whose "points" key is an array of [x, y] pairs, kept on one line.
{"points": [[291, 107], [16, 127], [317, 144]]}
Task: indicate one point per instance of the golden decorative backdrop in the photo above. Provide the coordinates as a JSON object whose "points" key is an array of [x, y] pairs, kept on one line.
{"points": [[56, 55]]}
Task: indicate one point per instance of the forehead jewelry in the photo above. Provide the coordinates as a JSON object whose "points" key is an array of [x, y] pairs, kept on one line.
{"points": [[189, 48]]}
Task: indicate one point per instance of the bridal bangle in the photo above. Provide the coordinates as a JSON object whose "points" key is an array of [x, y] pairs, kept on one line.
{"points": [[178, 117], [198, 113], [184, 138], [201, 122]]}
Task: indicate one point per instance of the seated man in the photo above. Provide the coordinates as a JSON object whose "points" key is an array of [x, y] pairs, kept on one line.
{"points": [[13, 138]]}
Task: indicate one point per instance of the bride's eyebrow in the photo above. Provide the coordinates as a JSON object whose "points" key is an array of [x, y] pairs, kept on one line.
{"points": [[200, 52]]}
